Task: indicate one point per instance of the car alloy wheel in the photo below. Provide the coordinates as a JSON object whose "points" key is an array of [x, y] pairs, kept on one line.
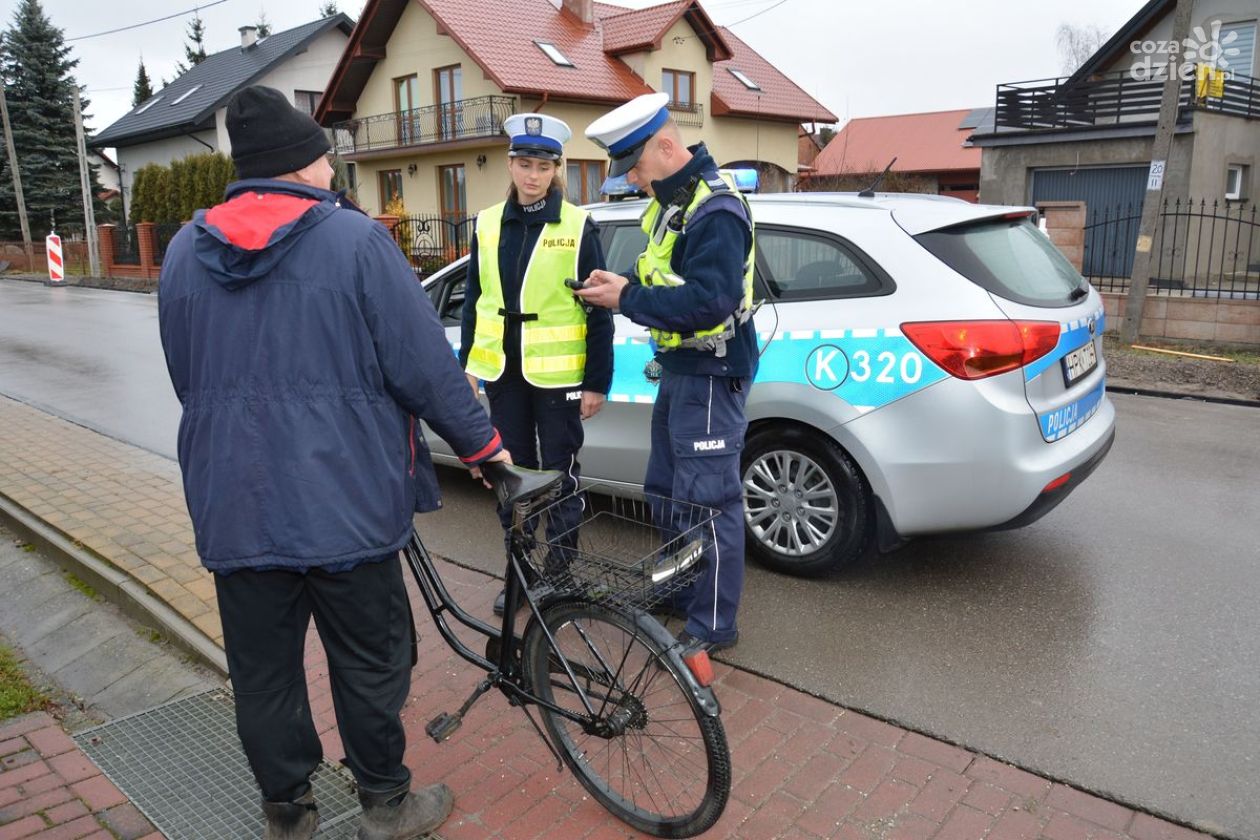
{"points": [[789, 503], [806, 503]]}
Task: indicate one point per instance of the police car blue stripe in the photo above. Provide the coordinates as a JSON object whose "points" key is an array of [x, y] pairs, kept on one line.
{"points": [[868, 371], [1061, 422], [1073, 334]]}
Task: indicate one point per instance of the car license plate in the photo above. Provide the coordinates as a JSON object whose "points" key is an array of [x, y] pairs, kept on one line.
{"points": [[1079, 363]]}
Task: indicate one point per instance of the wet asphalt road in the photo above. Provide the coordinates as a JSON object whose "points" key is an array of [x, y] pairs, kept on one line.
{"points": [[1114, 644]]}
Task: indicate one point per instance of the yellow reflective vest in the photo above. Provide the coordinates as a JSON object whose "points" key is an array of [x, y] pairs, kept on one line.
{"points": [[553, 323], [653, 266]]}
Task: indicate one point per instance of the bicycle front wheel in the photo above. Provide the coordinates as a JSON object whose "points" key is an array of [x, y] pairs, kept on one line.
{"points": [[647, 753]]}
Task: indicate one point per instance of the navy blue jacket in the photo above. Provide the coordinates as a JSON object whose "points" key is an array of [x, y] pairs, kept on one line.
{"points": [[303, 349], [521, 228], [709, 255]]}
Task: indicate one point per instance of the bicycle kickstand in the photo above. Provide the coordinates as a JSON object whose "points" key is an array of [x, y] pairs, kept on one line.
{"points": [[444, 725]]}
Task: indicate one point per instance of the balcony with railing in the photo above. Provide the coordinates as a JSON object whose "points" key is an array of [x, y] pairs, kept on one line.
{"points": [[480, 118], [687, 114], [1111, 100]]}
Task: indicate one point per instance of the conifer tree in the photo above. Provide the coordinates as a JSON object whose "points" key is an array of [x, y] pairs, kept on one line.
{"points": [[142, 90], [36, 70], [195, 49]]}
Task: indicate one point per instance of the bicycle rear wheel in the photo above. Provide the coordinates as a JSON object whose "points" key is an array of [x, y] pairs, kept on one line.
{"points": [[649, 754]]}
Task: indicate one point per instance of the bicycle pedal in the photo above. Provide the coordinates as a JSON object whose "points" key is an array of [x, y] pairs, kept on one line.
{"points": [[443, 726]]}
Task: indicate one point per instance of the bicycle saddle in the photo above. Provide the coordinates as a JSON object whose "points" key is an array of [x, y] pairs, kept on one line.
{"points": [[514, 484]]}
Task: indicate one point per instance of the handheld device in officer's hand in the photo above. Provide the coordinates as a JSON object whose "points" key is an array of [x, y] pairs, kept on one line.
{"points": [[575, 285]]}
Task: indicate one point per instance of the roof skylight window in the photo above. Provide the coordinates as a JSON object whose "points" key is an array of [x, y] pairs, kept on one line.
{"points": [[744, 80], [146, 106], [186, 94], [550, 50]]}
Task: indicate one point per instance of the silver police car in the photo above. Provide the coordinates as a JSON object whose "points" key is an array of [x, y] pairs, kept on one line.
{"points": [[927, 365]]}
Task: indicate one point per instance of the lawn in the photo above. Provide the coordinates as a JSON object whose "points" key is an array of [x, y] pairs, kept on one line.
{"points": [[17, 695]]}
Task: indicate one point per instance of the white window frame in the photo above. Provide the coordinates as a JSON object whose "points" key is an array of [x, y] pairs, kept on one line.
{"points": [[743, 78], [1235, 172], [553, 52], [185, 95]]}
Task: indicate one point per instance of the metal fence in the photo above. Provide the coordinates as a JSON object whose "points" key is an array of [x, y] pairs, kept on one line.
{"points": [[1111, 99], [1199, 249], [126, 245], [480, 117], [430, 242]]}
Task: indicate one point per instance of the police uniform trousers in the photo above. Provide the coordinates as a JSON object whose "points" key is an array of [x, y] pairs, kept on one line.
{"points": [[698, 430], [364, 621], [542, 428]]}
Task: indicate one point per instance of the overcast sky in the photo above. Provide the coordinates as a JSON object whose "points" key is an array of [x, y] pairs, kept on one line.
{"points": [[858, 58]]}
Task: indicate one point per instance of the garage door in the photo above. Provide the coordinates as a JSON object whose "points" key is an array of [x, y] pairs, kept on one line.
{"points": [[1113, 207]]}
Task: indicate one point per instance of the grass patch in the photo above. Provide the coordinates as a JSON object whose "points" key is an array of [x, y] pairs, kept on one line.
{"points": [[1240, 355], [17, 695], [82, 585]]}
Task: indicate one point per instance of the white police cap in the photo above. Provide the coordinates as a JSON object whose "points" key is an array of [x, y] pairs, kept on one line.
{"points": [[623, 131], [536, 135]]}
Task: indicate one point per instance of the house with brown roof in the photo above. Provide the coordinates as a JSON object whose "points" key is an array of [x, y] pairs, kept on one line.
{"points": [[931, 151], [418, 100]]}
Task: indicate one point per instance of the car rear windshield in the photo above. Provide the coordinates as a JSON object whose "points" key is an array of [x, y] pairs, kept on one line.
{"points": [[1010, 258]]}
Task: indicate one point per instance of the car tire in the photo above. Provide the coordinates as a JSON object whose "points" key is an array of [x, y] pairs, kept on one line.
{"points": [[807, 509]]}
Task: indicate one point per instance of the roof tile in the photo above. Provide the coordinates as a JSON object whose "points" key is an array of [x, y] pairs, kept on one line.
{"points": [[779, 95], [206, 86], [931, 142]]}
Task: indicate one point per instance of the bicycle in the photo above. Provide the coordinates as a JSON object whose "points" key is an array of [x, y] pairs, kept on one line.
{"points": [[629, 712]]}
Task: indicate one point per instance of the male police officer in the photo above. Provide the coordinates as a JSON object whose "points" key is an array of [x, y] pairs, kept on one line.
{"points": [[692, 287]]}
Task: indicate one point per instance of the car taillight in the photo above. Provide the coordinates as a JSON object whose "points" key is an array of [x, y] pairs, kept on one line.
{"points": [[977, 349]]}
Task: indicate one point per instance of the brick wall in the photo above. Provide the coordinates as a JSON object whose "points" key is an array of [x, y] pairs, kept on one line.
{"points": [[1191, 319]]}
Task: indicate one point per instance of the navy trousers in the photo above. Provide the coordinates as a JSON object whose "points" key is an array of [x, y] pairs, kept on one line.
{"points": [[698, 430], [364, 620], [542, 428]]}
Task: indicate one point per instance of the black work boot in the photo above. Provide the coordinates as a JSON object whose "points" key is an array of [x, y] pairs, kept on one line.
{"points": [[291, 820], [402, 814]]}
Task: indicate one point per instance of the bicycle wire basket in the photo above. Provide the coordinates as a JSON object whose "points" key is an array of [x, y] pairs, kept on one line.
{"points": [[635, 553]]}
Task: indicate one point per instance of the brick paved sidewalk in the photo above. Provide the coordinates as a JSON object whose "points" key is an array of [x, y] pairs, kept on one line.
{"points": [[803, 767], [49, 790]]}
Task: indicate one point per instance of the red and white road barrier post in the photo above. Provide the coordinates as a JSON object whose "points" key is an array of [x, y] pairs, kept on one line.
{"points": [[56, 264]]}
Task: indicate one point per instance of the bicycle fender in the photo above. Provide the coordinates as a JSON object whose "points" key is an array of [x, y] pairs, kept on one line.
{"points": [[656, 631]]}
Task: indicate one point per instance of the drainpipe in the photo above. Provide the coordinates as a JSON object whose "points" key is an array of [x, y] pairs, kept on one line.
{"points": [[543, 104]]}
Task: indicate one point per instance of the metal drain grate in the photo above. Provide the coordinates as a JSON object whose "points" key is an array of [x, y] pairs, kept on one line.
{"points": [[183, 767]]}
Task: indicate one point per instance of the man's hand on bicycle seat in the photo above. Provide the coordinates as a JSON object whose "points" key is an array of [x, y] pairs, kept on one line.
{"points": [[503, 455]]}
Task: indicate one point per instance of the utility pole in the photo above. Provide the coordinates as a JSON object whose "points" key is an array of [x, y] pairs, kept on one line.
{"points": [[1169, 108], [85, 182], [17, 183]]}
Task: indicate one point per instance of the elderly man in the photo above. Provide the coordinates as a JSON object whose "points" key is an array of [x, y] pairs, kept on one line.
{"points": [[304, 353]]}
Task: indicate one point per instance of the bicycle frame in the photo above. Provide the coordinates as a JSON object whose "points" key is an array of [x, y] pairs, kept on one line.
{"points": [[504, 673]]}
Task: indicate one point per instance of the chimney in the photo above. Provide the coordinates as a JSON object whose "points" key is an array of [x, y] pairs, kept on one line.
{"points": [[249, 36], [583, 10]]}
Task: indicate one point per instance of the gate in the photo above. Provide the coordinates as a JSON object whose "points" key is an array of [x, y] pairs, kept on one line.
{"points": [[1110, 195], [1199, 249], [430, 242]]}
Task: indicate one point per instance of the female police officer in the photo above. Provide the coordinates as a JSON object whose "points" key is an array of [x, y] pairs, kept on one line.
{"points": [[546, 362]]}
